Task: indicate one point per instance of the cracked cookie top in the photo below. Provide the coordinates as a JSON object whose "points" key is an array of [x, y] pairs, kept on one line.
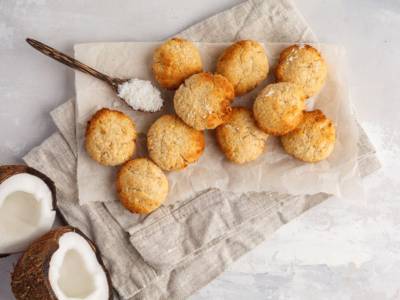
{"points": [[244, 64], [174, 61], [110, 137], [313, 140], [141, 186], [203, 100], [303, 65], [172, 144], [278, 108], [239, 138]]}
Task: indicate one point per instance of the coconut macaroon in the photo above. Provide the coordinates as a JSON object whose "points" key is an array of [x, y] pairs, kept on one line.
{"points": [[303, 65], [174, 61], [244, 64], [313, 140], [239, 138], [203, 101], [279, 107], [172, 144], [110, 137], [141, 186]]}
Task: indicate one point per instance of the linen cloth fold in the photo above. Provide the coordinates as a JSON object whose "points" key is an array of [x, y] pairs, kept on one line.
{"points": [[178, 249]]}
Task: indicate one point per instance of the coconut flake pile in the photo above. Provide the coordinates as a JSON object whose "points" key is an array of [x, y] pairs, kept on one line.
{"points": [[141, 95]]}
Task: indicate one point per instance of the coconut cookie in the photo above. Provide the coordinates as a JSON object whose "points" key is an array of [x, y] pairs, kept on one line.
{"points": [[203, 101], [313, 140], [172, 144], [244, 64], [174, 61], [303, 65], [141, 186], [278, 109], [110, 137], [239, 138]]}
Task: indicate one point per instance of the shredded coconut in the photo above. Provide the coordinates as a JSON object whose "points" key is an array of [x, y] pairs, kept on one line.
{"points": [[270, 93], [141, 95], [116, 103]]}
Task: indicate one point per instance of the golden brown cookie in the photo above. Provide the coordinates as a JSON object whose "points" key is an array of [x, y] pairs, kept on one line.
{"points": [[239, 138], [141, 186], [244, 64], [303, 65], [110, 137], [172, 144], [203, 101], [174, 61], [278, 108], [313, 140]]}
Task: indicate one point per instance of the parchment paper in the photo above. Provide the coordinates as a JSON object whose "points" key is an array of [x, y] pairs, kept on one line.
{"points": [[273, 171]]}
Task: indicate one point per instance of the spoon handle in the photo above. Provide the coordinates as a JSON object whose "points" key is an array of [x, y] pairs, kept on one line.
{"points": [[71, 62]]}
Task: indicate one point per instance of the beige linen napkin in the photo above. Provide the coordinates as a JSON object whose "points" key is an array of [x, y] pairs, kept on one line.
{"points": [[178, 249]]}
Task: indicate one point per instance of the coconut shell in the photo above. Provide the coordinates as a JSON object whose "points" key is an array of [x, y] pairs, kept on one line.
{"points": [[8, 171], [30, 280]]}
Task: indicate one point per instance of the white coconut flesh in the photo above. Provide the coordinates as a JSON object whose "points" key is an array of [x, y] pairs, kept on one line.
{"points": [[26, 211], [75, 272]]}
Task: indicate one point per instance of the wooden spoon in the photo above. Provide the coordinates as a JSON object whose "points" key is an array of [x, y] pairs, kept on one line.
{"points": [[75, 64], [114, 83]]}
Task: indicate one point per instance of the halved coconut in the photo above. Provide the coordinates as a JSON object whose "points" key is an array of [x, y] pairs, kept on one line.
{"points": [[63, 264], [27, 207]]}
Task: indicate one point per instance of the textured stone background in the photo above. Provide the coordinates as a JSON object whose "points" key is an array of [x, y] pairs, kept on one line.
{"points": [[344, 248]]}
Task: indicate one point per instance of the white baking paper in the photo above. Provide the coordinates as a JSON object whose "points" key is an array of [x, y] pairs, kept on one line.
{"points": [[273, 171]]}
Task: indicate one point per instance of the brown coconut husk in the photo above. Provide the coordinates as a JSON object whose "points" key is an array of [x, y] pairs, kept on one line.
{"points": [[30, 280]]}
